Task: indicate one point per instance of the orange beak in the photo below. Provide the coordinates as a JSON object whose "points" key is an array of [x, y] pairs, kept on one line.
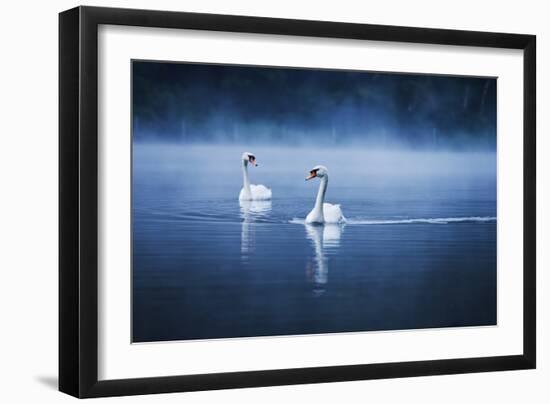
{"points": [[312, 174], [253, 161]]}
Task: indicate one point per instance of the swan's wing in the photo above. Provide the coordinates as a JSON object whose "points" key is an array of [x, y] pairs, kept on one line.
{"points": [[333, 213], [260, 192]]}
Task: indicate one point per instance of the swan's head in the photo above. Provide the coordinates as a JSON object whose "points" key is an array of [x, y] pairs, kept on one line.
{"points": [[317, 171], [249, 158]]}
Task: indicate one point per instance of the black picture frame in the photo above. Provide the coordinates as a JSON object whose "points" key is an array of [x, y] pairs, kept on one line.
{"points": [[78, 201]]}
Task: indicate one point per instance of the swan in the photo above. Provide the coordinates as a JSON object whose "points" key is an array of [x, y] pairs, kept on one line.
{"points": [[251, 192], [323, 212]]}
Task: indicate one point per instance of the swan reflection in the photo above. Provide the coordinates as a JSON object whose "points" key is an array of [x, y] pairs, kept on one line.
{"points": [[323, 239], [251, 211]]}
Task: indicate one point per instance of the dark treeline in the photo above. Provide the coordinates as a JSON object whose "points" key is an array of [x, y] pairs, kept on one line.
{"points": [[224, 103]]}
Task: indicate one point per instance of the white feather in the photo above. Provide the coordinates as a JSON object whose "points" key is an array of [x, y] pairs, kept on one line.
{"points": [[333, 213], [257, 193]]}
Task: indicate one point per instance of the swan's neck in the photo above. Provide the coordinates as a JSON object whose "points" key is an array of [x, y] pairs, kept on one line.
{"points": [[321, 195], [246, 181]]}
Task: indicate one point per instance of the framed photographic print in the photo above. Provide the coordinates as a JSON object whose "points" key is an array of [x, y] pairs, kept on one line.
{"points": [[251, 201]]}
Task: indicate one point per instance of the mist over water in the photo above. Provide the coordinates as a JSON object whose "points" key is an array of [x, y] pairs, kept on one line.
{"points": [[362, 177]]}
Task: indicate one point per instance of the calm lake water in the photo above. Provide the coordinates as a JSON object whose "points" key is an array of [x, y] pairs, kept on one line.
{"points": [[418, 249]]}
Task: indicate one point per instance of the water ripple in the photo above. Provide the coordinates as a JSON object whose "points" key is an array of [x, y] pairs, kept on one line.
{"points": [[431, 220]]}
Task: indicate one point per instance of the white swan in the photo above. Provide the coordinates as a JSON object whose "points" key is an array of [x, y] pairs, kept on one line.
{"points": [[251, 192], [323, 212]]}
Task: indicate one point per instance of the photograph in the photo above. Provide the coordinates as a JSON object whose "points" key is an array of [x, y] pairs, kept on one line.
{"points": [[270, 201]]}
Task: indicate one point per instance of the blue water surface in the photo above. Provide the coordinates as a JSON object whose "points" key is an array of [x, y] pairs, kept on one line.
{"points": [[418, 249]]}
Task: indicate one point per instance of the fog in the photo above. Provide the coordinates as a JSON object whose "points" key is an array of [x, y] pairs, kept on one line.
{"points": [[214, 167]]}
